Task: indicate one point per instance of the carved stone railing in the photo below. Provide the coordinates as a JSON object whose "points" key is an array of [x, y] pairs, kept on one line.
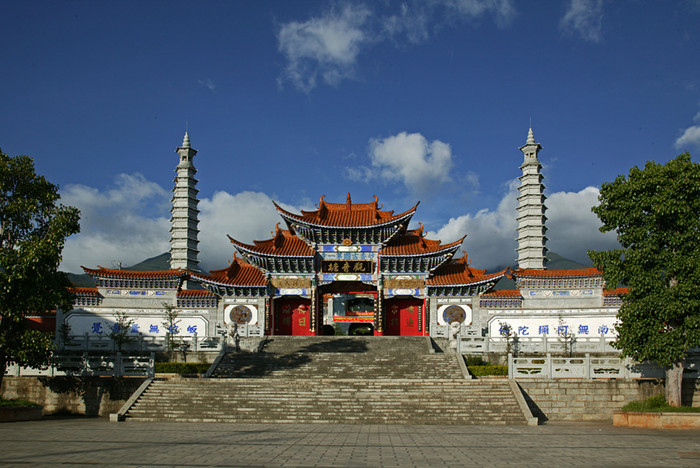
{"points": [[112, 365]]}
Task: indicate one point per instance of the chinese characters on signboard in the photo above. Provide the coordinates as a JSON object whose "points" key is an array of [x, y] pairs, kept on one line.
{"points": [[346, 266]]}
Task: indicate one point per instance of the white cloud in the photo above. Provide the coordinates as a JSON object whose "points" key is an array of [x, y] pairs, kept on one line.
{"points": [[691, 135], [491, 235], [502, 10], [573, 228], [410, 20], [585, 19], [408, 158], [245, 216], [208, 83], [490, 241], [117, 225], [325, 47], [131, 222]]}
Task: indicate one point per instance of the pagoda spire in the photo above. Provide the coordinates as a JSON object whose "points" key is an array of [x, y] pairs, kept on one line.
{"points": [[531, 219], [184, 222]]}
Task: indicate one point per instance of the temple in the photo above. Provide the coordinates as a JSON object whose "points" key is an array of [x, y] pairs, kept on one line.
{"points": [[353, 268]]}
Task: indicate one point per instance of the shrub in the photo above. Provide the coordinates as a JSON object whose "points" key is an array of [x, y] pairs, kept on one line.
{"points": [[475, 361], [657, 404], [488, 370], [16, 403], [182, 367]]}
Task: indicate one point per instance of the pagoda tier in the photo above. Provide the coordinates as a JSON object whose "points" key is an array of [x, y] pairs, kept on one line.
{"points": [[410, 252], [457, 278], [342, 223], [240, 278], [284, 253], [134, 279]]}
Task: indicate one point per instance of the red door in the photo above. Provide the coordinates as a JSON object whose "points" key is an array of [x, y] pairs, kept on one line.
{"points": [[403, 317], [292, 316]]}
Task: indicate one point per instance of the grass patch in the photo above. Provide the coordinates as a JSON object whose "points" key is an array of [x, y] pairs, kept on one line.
{"points": [[657, 404], [488, 370], [182, 367], [16, 403]]}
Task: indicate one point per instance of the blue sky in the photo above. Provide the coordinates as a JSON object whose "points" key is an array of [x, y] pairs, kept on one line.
{"points": [[291, 100]]}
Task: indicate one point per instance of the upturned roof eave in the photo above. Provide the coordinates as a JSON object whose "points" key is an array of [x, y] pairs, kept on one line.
{"points": [[211, 280], [291, 217], [449, 248]]}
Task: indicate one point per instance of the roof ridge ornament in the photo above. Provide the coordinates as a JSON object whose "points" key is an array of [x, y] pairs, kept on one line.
{"points": [[234, 267], [348, 203], [279, 238], [322, 208]]}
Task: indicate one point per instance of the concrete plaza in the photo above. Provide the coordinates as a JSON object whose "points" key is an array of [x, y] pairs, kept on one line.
{"points": [[77, 442]]}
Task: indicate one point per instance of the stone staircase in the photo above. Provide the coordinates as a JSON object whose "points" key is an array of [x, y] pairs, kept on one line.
{"points": [[352, 380]]}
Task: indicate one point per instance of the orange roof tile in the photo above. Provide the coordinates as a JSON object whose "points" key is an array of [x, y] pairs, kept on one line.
{"points": [[239, 273], [83, 291], [283, 243], [413, 243], [458, 272], [503, 293], [113, 273], [346, 214], [530, 273], [194, 293], [616, 292]]}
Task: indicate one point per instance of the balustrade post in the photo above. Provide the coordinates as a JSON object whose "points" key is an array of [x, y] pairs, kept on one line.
{"points": [[548, 365], [602, 343], [87, 342], [194, 342], [511, 371], [587, 363]]}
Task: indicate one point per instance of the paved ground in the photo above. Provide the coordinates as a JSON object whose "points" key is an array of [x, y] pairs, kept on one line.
{"points": [[77, 442]]}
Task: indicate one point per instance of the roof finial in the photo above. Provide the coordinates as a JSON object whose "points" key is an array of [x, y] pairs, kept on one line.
{"points": [[530, 137], [348, 203], [186, 140]]}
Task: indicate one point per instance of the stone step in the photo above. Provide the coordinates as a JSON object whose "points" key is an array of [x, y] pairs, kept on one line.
{"points": [[369, 380]]}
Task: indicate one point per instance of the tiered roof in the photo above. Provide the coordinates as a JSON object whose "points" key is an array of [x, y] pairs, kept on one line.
{"points": [[616, 291], [458, 278], [579, 272], [338, 223], [83, 291], [458, 272], [283, 243], [413, 243], [348, 214], [103, 272], [240, 278], [238, 273]]}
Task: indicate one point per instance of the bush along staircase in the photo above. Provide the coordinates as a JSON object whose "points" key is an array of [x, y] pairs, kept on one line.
{"points": [[355, 380]]}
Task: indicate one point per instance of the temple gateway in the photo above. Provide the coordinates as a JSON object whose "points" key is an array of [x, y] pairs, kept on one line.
{"points": [[347, 267]]}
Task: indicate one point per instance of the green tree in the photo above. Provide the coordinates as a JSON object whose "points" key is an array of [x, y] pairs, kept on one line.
{"points": [[171, 325], [33, 230], [655, 212], [119, 332]]}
